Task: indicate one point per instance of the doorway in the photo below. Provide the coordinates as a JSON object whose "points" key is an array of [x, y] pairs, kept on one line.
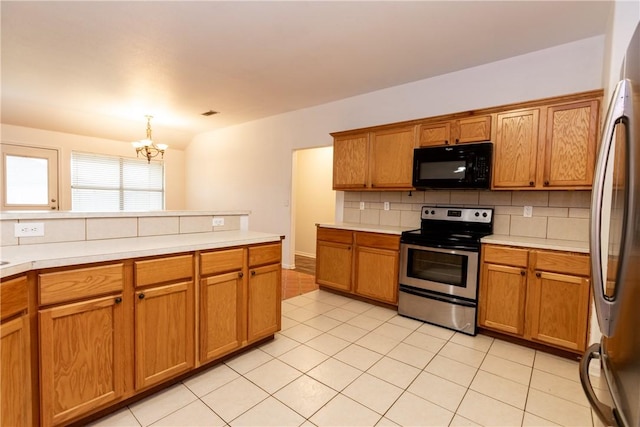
{"points": [[313, 201]]}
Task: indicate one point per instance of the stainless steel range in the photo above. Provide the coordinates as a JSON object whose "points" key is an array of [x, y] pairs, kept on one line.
{"points": [[439, 266]]}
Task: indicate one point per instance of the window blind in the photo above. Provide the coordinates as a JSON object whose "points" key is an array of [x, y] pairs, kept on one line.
{"points": [[106, 183]]}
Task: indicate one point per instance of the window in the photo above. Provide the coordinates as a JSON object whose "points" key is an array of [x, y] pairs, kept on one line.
{"points": [[104, 183], [30, 177]]}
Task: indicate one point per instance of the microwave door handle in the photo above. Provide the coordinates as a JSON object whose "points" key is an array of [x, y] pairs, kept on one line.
{"points": [[604, 305]]}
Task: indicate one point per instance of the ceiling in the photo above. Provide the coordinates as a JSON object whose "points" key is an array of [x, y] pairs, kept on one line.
{"points": [[97, 68]]}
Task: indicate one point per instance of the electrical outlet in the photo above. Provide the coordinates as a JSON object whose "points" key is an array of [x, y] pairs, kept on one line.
{"points": [[361, 206], [29, 229], [386, 206], [218, 222], [528, 211]]}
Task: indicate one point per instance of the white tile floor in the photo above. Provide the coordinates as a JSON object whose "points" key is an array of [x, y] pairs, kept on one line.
{"points": [[340, 362]]}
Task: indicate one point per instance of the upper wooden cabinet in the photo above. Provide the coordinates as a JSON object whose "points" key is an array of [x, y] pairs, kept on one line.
{"points": [[548, 147], [378, 160], [545, 144], [472, 129]]}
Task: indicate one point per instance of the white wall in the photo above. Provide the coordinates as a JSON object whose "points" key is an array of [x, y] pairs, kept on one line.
{"points": [[248, 166], [313, 199], [66, 142]]}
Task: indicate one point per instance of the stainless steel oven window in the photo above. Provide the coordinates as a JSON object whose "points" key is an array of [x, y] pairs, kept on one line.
{"points": [[426, 268]]}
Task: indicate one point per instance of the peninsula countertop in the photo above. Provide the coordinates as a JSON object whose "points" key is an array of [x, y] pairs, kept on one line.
{"points": [[22, 258]]}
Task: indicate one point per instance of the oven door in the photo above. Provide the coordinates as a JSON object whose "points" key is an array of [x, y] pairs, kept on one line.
{"points": [[451, 272]]}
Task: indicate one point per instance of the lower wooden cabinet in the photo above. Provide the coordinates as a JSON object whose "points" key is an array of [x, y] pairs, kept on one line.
{"points": [[360, 263], [15, 355], [264, 292], [164, 331], [81, 357], [542, 296]]}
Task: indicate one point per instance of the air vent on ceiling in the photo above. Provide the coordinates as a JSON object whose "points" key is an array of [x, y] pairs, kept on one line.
{"points": [[210, 113]]}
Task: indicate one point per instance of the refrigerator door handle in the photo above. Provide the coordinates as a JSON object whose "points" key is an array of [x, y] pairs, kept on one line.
{"points": [[604, 412], [605, 307]]}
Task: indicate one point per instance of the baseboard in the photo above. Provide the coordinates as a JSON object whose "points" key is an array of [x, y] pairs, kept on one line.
{"points": [[289, 266], [305, 254]]}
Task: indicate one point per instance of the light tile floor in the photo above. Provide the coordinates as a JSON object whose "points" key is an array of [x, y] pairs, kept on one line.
{"points": [[340, 362]]}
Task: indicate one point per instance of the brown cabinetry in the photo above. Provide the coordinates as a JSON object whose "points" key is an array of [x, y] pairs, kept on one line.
{"points": [[360, 263], [82, 342], [164, 312], [381, 159], [264, 291], [221, 302], [15, 354], [460, 131], [547, 147], [538, 295]]}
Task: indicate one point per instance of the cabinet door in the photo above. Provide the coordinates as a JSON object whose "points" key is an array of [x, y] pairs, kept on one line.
{"points": [[377, 274], [435, 134], [15, 373], [391, 159], [333, 265], [220, 315], [570, 146], [515, 149], [503, 291], [558, 309], [350, 162], [164, 332], [81, 357], [263, 303], [473, 129]]}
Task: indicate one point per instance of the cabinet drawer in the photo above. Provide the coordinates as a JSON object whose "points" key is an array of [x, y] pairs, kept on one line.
{"points": [[162, 270], [335, 235], [562, 263], [380, 241], [505, 255], [221, 261], [13, 297], [80, 283], [267, 254]]}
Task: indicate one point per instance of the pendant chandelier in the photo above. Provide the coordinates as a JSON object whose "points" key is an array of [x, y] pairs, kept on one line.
{"points": [[147, 147]]}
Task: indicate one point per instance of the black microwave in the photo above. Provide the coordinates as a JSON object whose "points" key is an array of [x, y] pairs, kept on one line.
{"points": [[458, 166]]}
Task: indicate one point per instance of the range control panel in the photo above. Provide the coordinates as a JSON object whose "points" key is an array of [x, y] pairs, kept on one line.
{"points": [[457, 214]]}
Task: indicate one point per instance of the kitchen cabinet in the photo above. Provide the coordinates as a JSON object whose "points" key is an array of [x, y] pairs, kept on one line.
{"points": [[538, 295], [460, 131], [381, 159], [221, 302], [547, 147], [358, 263], [82, 341], [376, 266], [164, 318], [15, 354], [334, 258], [264, 291]]}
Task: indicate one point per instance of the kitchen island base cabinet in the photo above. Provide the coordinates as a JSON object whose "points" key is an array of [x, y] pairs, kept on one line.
{"points": [[15, 354], [541, 296], [81, 357], [263, 304]]}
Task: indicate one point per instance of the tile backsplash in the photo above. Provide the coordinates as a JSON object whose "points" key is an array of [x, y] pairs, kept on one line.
{"points": [[560, 215]]}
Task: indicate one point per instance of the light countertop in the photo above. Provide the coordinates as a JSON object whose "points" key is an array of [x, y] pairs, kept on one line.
{"points": [[367, 227], [23, 258], [17, 215], [537, 243]]}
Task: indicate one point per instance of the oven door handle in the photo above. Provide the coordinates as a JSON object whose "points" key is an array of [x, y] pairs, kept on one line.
{"points": [[460, 251]]}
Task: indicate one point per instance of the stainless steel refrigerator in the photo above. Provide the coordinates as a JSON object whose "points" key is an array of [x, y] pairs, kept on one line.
{"points": [[615, 252]]}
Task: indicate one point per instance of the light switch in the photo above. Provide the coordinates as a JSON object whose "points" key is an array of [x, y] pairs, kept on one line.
{"points": [[528, 211]]}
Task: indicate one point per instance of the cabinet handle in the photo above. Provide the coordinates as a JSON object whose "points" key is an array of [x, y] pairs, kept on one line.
{"points": [[141, 296], [546, 183], [538, 274], [457, 140], [253, 273], [522, 272], [531, 183], [118, 300], [446, 142], [241, 275]]}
